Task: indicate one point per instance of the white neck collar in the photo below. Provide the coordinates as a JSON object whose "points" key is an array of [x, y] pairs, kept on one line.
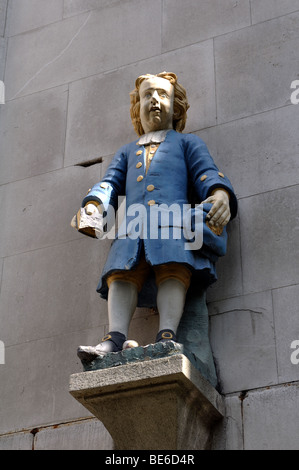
{"points": [[155, 137]]}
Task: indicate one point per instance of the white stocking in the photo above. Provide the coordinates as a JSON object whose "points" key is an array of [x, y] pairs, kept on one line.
{"points": [[122, 302], [170, 302]]}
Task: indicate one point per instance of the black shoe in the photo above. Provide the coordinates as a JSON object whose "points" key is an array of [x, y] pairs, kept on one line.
{"points": [[165, 335], [112, 342]]}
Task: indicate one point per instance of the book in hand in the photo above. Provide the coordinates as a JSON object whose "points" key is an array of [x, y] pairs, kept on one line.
{"points": [[90, 225]]}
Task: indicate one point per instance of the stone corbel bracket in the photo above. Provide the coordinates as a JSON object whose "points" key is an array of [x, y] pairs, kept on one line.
{"points": [[160, 404]]}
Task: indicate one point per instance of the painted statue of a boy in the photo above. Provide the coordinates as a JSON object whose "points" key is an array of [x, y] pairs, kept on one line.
{"points": [[163, 167]]}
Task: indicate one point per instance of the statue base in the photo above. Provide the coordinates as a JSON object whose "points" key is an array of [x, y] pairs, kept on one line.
{"points": [[160, 403]]}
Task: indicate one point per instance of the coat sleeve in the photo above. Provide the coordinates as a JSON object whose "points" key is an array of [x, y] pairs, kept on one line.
{"points": [[113, 184], [204, 174]]}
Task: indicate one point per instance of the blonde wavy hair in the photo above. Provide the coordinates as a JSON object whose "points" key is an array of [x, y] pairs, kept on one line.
{"points": [[180, 105]]}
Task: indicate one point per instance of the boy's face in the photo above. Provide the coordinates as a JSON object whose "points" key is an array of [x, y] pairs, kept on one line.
{"points": [[156, 104]]}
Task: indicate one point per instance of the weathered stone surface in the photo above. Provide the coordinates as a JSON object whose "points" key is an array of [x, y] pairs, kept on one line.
{"points": [[250, 150], [60, 48], [30, 277], [229, 269], [82, 435], [74, 7], [3, 6], [269, 240], [17, 441], [270, 418], [3, 46], [267, 9], [192, 21], [34, 380], [243, 342], [234, 423], [32, 133], [24, 15], [139, 393], [44, 206], [255, 67]]}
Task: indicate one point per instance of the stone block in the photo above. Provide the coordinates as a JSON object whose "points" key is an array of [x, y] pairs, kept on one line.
{"points": [[139, 393], [34, 380], [285, 306], [110, 35], [255, 67], [32, 134], [267, 9], [82, 435], [43, 208], [271, 418], [75, 7], [16, 441], [190, 21], [250, 150], [243, 343], [92, 132], [229, 269], [228, 433], [24, 15], [47, 292], [99, 116], [234, 423], [269, 240], [3, 45], [3, 6]]}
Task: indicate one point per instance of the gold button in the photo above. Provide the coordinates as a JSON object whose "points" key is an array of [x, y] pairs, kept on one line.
{"points": [[140, 178], [139, 165], [153, 151], [151, 202], [139, 152], [221, 174], [203, 178], [150, 187], [104, 185]]}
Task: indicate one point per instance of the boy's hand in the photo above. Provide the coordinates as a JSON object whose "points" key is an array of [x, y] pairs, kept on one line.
{"points": [[219, 214]]}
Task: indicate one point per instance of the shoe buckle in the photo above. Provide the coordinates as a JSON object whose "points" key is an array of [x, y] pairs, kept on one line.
{"points": [[167, 335], [106, 338]]}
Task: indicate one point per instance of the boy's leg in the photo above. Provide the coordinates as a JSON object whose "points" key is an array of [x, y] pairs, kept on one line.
{"points": [[173, 281]]}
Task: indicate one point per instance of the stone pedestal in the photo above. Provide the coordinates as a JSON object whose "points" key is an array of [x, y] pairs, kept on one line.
{"points": [[155, 404]]}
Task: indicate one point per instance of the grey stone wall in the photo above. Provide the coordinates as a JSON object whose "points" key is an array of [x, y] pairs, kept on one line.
{"points": [[68, 66]]}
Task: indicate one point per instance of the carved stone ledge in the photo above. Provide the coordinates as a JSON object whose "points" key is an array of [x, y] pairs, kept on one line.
{"points": [[152, 404], [140, 353]]}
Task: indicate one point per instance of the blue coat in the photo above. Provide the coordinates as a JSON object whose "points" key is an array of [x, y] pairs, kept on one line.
{"points": [[182, 168]]}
